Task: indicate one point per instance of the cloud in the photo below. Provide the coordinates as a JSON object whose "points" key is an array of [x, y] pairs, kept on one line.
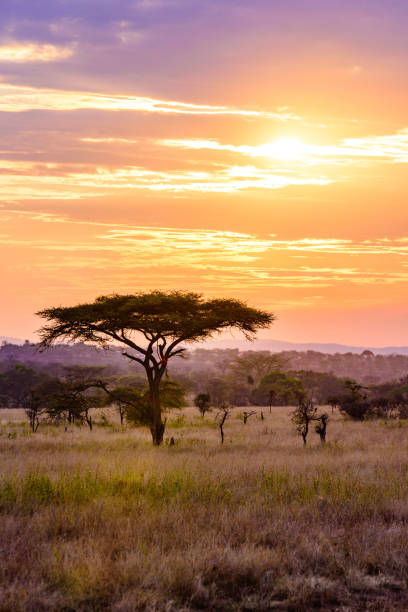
{"points": [[51, 247], [393, 147], [30, 52], [19, 98], [110, 140], [28, 180]]}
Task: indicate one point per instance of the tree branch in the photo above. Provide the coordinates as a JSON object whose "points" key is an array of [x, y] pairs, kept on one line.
{"points": [[134, 358]]}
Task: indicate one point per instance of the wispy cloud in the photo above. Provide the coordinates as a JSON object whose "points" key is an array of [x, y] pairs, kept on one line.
{"points": [[109, 140], [17, 98], [30, 52], [381, 246], [29, 180], [243, 259], [393, 147]]}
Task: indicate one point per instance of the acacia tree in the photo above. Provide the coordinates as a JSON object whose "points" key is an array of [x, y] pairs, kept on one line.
{"points": [[304, 414], [252, 366], [152, 327], [203, 403], [76, 395]]}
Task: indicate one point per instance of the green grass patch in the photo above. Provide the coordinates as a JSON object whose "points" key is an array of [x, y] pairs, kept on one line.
{"points": [[37, 489]]}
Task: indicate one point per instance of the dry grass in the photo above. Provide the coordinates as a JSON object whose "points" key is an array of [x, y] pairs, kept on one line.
{"points": [[102, 521]]}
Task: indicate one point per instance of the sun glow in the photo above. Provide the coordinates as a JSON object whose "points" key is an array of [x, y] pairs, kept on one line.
{"points": [[285, 148]]}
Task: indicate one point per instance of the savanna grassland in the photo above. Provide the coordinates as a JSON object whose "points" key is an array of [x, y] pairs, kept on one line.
{"points": [[103, 521]]}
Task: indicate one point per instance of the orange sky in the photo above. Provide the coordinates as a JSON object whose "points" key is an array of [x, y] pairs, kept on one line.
{"points": [[257, 152]]}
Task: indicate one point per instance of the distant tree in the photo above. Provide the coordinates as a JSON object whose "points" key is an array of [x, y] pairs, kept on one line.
{"points": [[23, 387], [271, 397], [38, 398], [355, 402], [320, 385], [222, 416], [219, 390], [163, 321], [203, 403], [131, 403], [304, 414], [252, 366], [278, 388], [120, 389], [247, 414], [16, 383], [389, 399], [78, 394], [333, 401]]}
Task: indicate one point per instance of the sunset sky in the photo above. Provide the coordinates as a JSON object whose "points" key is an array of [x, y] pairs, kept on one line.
{"points": [[251, 148]]}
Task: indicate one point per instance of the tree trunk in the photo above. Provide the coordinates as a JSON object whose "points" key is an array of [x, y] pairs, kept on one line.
{"points": [[157, 431], [222, 433], [157, 427]]}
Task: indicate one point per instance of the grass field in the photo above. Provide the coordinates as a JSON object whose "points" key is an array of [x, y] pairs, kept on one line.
{"points": [[102, 521]]}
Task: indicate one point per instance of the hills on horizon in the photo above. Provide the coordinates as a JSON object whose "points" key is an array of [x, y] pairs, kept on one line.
{"points": [[11, 340], [276, 346], [329, 348]]}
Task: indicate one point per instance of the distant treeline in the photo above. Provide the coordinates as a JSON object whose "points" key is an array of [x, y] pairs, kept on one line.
{"points": [[55, 359], [365, 368]]}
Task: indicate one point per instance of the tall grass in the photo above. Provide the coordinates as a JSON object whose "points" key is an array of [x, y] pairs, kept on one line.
{"points": [[102, 521]]}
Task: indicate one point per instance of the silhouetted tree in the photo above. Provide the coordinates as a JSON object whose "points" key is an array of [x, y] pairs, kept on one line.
{"points": [[355, 402], [203, 403], [222, 416], [79, 393], [304, 414], [246, 415], [37, 400], [161, 321]]}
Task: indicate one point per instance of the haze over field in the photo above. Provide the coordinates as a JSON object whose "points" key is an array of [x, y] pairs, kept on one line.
{"points": [[250, 149]]}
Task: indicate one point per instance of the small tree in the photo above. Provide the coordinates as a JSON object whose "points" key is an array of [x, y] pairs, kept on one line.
{"points": [[116, 391], [23, 387], [152, 327], [132, 403], [304, 414], [77, 395], [222, 416], [246, 415], [203, 403], [355, 402], [37, 400], [278, 387], [271, 397], [333, 401]]}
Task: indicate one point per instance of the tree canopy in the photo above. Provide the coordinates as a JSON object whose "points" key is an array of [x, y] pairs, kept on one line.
{"points": [[176, 315]]}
